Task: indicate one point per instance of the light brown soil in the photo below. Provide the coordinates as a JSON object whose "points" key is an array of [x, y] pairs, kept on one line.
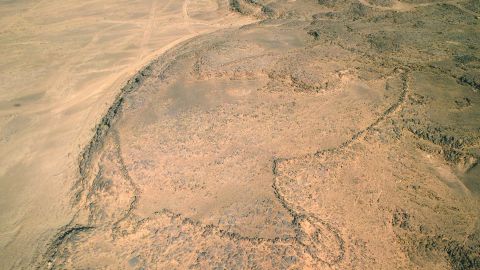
{"points": [[327, 135], [62, 64]]}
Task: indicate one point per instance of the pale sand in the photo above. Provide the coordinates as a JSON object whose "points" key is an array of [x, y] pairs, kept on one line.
{"points": [[330, 134], [62, 63]]}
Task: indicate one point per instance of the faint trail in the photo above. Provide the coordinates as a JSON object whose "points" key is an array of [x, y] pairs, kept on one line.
{"points": [[457, 5], [21, 16], [402, 6], [147, 32], [186, 18], [395, 6]]}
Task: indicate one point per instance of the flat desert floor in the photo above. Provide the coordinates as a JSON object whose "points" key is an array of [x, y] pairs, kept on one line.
{"points": [[241, 134]]}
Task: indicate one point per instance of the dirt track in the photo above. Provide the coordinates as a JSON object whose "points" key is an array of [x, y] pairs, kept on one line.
{"points": [[63, 63], [328, 135]]}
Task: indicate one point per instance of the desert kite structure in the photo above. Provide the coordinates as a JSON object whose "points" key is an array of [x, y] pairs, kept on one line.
{"points": [[307, 134]]}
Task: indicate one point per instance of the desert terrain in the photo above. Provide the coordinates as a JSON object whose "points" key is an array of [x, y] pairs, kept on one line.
{"points": [[63, 63], [241, 134]]}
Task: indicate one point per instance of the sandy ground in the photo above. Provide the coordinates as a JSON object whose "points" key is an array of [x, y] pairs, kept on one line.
{"points": [[62, 63], [260, 135]]}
